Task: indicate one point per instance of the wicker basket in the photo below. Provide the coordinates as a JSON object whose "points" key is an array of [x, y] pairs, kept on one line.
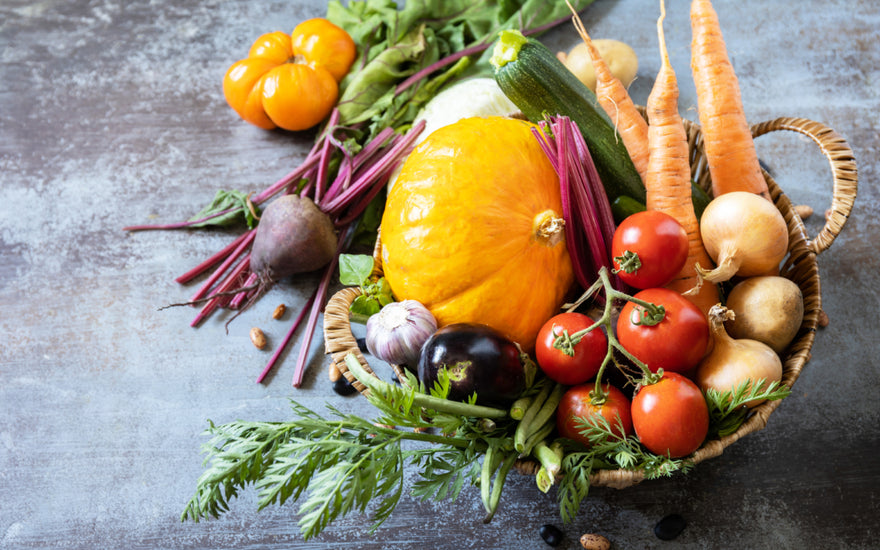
{"points": [[799, 266]]}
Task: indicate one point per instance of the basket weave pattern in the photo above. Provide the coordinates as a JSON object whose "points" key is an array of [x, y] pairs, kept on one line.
{"points": [[800, 266]]}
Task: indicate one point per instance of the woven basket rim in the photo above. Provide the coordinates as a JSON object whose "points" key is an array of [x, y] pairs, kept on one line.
{"points": [[800, 266]]}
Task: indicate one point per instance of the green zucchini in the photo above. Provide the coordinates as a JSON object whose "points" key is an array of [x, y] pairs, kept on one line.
{"points": [[539, 84], [623, 207]]}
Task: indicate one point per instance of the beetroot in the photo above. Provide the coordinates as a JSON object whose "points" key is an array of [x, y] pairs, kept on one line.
{"points": [[294, 236], [298, 230]]}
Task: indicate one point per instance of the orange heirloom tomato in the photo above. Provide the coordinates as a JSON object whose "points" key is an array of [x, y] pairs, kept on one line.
{"points": [[291, 81]]}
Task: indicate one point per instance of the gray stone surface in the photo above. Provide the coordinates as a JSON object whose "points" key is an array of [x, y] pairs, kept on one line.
{"points": [[111, 113]]}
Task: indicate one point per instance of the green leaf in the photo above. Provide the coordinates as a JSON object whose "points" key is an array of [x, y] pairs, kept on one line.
{"points": [[236, 202], [728, 410], [398, 42], [355, 269], [574, 486], [369, 222], [364, 306], [370, 92], [380, 291]]}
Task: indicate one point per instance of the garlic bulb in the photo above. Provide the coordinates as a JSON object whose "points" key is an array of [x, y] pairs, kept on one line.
{"points": [[396, 334]]}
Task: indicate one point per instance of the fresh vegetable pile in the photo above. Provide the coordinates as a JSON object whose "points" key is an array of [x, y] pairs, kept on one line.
{"points": [[555, 295], [367, 106]]}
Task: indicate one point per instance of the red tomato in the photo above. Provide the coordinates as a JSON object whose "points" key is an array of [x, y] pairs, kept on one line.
{"points": [[573, 362], [660, 242], [576, 403], [677, 343], [670, 417]]}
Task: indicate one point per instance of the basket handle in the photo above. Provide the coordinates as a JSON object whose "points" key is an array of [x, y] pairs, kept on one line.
{"points": [[843, 170]]}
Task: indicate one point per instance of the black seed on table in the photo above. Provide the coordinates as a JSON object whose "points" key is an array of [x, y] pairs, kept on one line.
{"points": [[669, 527], [343, 387], [551, 534]]}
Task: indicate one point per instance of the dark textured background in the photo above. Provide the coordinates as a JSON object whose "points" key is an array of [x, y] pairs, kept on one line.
{"points": [[111, 113]]}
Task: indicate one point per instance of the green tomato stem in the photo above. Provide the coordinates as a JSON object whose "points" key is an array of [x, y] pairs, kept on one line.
{"points": [[629, 262], [651, 315]]}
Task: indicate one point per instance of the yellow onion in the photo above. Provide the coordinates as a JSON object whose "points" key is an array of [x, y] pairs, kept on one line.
{"points": [[732, 362], [744, 234]]}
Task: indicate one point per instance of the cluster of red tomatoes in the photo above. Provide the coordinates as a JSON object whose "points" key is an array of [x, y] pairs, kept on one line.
{"points": [[669, 415]]}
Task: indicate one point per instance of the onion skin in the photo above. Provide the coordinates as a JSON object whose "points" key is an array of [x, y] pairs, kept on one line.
{"points": [[733, 362], [744, 234]]}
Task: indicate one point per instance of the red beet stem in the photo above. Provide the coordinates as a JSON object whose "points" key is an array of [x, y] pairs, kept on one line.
{"points": [[242, 246], [584, 209], [318, 305], [589, 225], [239, 298], [350, 164], [227, 285], [375, 173], [598, 199], [287, 337], [210, 262], [309, 163], [324, 164]]}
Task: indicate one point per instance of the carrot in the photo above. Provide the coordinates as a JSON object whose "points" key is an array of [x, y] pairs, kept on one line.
{"points": [[616, 102], [668, 183], [727, 139]]}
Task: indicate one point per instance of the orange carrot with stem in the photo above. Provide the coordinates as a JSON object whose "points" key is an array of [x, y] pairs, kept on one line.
{"points": [[668, 179], [616, 102], [727, 139]]}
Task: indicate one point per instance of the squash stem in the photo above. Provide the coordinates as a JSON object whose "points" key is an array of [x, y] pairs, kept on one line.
{"points": [[507, 48]]}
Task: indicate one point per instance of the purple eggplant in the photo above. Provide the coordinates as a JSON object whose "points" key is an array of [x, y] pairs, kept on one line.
{"points": [[479, 359]]}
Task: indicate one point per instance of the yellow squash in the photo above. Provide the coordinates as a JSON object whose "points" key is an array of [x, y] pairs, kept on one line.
{"points": [[473, 228]]}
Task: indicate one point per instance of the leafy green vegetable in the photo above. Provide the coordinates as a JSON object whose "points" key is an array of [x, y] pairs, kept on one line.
{"points": [[398, 43], [365, 96], [607, 450], [357, 270], [346, 464], [228, 207], [727, 410]]}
